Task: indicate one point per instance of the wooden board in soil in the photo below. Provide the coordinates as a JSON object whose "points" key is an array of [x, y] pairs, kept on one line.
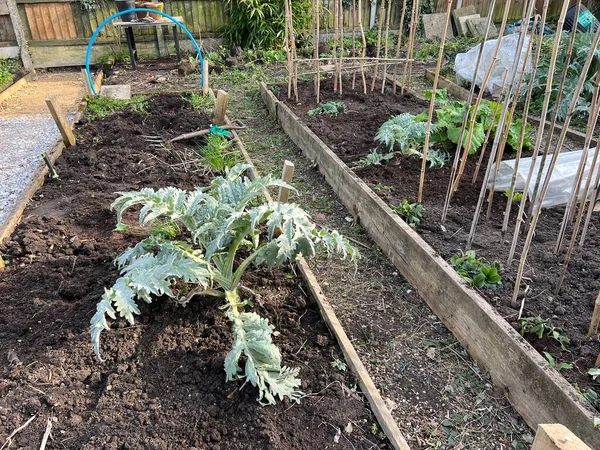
{"points": [[163, 384], [538, 393]]}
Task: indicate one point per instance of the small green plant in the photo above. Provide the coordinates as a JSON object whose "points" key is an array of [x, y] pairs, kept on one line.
{"points": [[477, 271], [552, 361], [98, 106], [374, 429], [199, 102], [338, 364], [441, 95], [217, 238], [218, 154], [594, 372], [543, 327], [588, 396], [329, 108], [516, 197], [8, 68], [374, 159], [411, 213], [384, 187]]}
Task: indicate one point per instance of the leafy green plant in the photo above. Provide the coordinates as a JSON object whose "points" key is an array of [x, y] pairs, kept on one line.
{"points": [[582, 45], [407, 132], [552, 361], [384, 187], [589, 396], [516, 197], [430, 50], [8, 68], [98, 106], [218, 154], [410, 212], [594, 372], [260, 24], [199, 102], [441, 95], [543, 327], [477, 271], [338, 364], [374, 159], [221, 237], [329, 108]]}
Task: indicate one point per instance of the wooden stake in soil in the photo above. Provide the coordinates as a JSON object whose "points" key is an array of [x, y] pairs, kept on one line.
{"points": [[399, 45], [557, 437], [432, 101], [316, 42], [286, 176], [343, 46], [380, 20], [538, 202], [61, 121], [595, 318], [386, 46], [353, 16], [86, 83], [205, 77], [221, 107], [335, 44], [364, 46]]}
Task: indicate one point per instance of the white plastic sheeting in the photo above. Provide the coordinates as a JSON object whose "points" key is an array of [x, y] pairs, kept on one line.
{"points": [[465, 63], [561, 180]]}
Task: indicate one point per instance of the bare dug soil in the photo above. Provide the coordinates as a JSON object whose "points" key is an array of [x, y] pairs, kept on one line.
{"points": [[162, 384], [351, 137]]}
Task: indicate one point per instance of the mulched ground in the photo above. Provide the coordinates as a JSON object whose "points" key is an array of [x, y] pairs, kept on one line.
{"points": [[162, 385], [351, 137]]}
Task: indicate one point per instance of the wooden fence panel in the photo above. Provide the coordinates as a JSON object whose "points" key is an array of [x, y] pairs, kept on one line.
{"points": [[515, 12], [7, 33], [50, 21]]}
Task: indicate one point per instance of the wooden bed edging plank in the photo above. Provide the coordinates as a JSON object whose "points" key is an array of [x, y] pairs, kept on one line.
{"points": [[13, 88], [378, 406], [463, 94], [538, 393], [38, 177]]}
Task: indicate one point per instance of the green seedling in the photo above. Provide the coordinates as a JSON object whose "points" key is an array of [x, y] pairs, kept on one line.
{"points": [[410, 212], [477, 271], [329, 108], [556, 365], [543, 327]]}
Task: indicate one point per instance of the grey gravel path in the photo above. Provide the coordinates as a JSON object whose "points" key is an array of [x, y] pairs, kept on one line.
{"points": [[22, 140]]}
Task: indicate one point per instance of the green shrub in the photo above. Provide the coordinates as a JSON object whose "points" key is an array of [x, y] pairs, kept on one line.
{"points": [[8, 68]]}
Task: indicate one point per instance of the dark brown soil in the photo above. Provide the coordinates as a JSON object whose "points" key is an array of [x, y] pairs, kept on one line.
{"points": [[351, 137], [162, 385]]}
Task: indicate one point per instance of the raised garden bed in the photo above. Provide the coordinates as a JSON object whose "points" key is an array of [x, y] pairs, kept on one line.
{"points": [[539, 393], [163, 384]]}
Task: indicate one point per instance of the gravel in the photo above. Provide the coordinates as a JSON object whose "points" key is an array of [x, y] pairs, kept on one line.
{"points": [[24, 139]]}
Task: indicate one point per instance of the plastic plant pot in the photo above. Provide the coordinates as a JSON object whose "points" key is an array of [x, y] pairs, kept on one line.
{"points": [[124, 5], [157, 6], [140, 14]]}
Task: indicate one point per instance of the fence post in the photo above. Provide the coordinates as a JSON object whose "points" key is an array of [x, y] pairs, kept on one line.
{"points": [[555, 436]]}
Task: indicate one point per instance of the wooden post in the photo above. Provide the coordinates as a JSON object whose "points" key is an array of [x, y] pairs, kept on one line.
{"points": [[1, 263], [61, 121], [286, 176], [15, 18], [86, 83], [221, 107], [555, 436], [205, 78], [595, 318]]}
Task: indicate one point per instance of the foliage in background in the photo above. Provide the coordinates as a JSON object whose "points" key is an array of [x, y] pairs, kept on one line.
{"points": [[543, 327], [410, 212], [260, 24], [199, 102], [329, 108], [583, 43], [476, 271], [8, 68], [429, 51], [218, 153], [104, 106], [216, 223]]}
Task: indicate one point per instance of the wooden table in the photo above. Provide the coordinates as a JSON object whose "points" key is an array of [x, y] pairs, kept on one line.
{"points": [[129, 26]]}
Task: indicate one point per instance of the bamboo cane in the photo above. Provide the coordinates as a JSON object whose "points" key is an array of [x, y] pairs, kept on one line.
{"points": [[412, 46], [574, 198], [540, 133], [399, 45], [294, 54], [473, 116], [353, 14], [288, 48], [315, 11], [595, 322], [559, 92], [341, 27], [466, 116], [511, 115], [538, 204], [364, 46], [387, 38], [380, 21], [432, 101], [501, 123], [411, 43], [335, 43], [513, 183]]}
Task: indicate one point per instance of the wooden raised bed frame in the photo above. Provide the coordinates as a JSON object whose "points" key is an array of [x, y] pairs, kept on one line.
{"points": [[537, 392]]}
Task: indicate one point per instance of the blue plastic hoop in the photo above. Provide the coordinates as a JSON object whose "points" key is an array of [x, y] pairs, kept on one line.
{"points": [[114, 16]]}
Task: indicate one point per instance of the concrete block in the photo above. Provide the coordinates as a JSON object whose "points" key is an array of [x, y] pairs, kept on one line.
{"points": [[119, 91], [476, 27], [433, 25], [462, 24], [461, 12]]}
